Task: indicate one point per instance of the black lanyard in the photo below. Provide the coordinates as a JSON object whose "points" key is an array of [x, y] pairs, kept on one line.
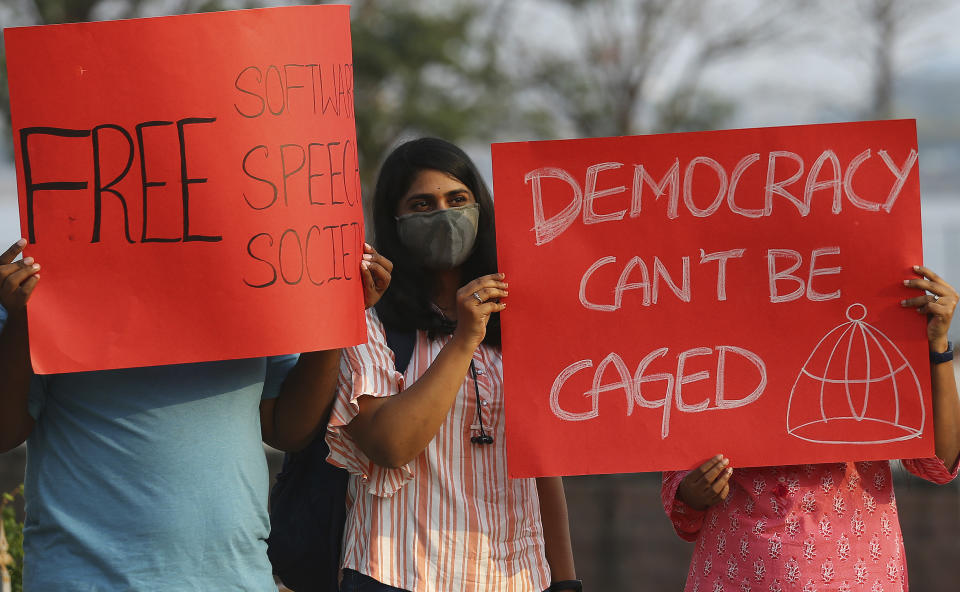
{"points": [[483, 437]]}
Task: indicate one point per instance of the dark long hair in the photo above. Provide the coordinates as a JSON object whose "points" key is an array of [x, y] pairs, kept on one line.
{"points": [[406, 304]]}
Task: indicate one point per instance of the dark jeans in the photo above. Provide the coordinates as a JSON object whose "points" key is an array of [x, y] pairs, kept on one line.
{"points": [[354, 581]]}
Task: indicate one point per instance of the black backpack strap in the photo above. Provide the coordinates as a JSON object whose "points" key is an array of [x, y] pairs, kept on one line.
{"points": [[402, 344]]}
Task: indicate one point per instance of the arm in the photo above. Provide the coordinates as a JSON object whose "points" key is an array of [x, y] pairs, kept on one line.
{"points": [[17, 281], [392, 431], [939, 306], [292, 420], [686, 495], [556, 529]]}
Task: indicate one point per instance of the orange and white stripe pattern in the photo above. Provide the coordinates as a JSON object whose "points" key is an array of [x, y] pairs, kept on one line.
{"points": [[450, 520]]}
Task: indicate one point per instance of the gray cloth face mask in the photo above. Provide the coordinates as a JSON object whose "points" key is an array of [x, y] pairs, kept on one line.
{"points": [[442, 239]]}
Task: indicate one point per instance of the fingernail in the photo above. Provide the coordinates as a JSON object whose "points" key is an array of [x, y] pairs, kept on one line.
{"points": [[365, 264], [916, 267], [22, 242], [35, 267], [903, 303], [28, 261], [368, 256]]}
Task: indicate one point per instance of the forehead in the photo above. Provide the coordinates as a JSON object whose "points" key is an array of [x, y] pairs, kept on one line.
{"points": [[434, 182]]}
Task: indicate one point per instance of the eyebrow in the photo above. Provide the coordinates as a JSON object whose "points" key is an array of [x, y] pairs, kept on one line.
{"points": [[431, 195]]}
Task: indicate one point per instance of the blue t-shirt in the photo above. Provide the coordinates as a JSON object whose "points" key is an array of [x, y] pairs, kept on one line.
{"points": [[150, 479]]}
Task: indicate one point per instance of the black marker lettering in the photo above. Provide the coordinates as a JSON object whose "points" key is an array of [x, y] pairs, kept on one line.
{"points": [[298, 258], [186, 181], [273, 270], [252, 176], [32, 187], [145, 183], [236, 85], [99, 190], [283, 167]]}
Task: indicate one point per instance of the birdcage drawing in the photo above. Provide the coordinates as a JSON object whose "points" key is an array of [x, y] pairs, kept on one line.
{"points": [[856, 387]]}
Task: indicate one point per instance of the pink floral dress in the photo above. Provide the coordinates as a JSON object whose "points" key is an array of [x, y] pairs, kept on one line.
{"points": [[803, 528]]}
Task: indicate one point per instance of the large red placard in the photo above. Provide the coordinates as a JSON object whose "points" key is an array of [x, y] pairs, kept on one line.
{"points": [[189, 185], [675, 296]]}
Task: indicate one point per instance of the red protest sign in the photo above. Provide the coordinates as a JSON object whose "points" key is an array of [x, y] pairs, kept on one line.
{"points": [[675, 296], [189, 185]]}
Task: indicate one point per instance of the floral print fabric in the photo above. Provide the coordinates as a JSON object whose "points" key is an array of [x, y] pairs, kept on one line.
{"points": [[800, 528]]}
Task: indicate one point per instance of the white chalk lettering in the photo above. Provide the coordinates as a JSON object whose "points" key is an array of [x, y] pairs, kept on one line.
{"points": [[738, 171], [580, 200], [900, 173], [669, 184], [775, 275], [813, 184], [637, 275], [673, 382], [660, 271], [546, 230], [591, 194], [586, 278], [555, 394], [721, 257], [775, 187], [688, 186]]}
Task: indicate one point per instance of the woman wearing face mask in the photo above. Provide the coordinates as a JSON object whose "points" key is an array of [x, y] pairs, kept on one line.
{"points": [[430, 504]]}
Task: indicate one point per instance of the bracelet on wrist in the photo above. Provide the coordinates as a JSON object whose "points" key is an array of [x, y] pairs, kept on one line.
{"points": [[942, 357], [575, 585]]}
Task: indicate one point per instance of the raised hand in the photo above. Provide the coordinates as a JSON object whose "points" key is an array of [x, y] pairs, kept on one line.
{"points": [[708, 484], [375, 270], [17, 278], [938, 305], [475, 303]]}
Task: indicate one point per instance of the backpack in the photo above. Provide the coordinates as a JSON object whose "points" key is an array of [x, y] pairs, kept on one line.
{"points": [[308, 505]]}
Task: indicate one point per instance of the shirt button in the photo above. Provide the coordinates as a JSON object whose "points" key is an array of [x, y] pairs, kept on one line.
{"points": [[483, 403], [479, 371]]}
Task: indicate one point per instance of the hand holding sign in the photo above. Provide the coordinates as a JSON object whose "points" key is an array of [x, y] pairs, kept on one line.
{"points": [[938, 305], [17, 278], [476, 301], [375, 272], [708, 484]]}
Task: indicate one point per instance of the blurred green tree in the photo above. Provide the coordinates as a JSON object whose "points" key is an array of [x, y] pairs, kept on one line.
{"points": [[424, 72], [11, 539]]}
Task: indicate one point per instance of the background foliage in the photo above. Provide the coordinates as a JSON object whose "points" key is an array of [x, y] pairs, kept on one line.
{"points": [[13, 529]]}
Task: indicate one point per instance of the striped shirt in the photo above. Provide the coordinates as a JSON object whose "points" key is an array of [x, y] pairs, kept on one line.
{"points": [[450, 520]]}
